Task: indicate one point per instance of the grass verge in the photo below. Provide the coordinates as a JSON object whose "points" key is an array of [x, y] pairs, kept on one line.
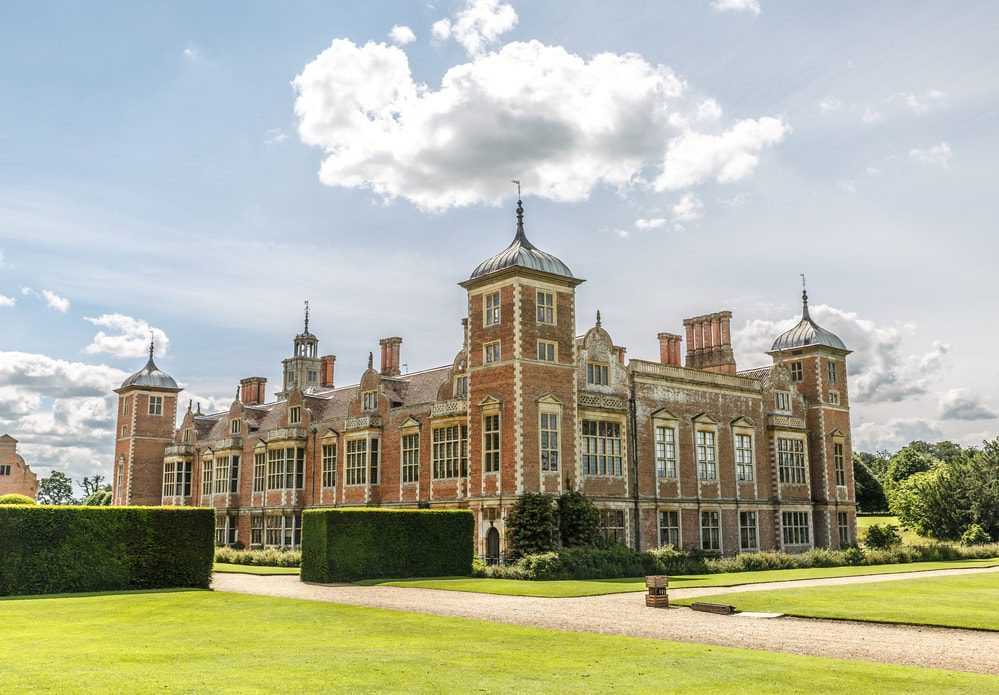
{"points": [[969, 601], [209, 642], [229, 568]]}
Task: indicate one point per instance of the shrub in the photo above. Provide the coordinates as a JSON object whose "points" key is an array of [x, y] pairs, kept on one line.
{"points": [[578, 520], [882, 537], [350, 544], [270, 557], [16, 499], [854, 556], [669, 560], [532, 527], [47, 550], [974, 535]]}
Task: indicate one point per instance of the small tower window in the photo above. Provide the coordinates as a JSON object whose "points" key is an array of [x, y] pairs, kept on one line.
{"points": [[546, 351], [833, 372], [492, 352], [156, 405], [234, 427], [313, 376], [492, 301], [797, 371], [294, 414], [834, 398], [546, 307], [370, 400]]}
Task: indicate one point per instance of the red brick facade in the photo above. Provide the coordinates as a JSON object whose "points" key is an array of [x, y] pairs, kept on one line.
{"points": [[702, 455], [16, 477]]}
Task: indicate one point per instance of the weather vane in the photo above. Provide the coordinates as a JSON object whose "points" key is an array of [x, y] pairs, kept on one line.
{"points": [[804, 286], [306, 315], [518, 187]]}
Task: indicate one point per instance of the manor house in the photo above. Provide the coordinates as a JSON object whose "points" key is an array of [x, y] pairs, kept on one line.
{"points": [[686, 451]]}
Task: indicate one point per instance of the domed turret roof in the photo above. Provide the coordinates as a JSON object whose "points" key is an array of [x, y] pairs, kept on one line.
{"points": [[150, 376], [521, 253], [807, 333]]}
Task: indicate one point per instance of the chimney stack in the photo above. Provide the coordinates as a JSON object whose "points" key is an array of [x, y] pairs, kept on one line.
{"points": [[326, 366], [390, 355], [251, 390], [709, 343], [669, 349]]}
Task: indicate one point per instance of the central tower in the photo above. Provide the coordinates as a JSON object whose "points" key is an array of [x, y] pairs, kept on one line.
{"points": [[521, 362], [302, 369]]}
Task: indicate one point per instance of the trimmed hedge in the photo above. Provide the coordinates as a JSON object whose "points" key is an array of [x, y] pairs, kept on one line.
{"points": [[14, 498], [342, 545], [57, 549]]}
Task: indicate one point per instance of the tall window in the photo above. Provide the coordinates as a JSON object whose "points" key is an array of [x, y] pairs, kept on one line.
{"points": [[546, 351], [710, 531], [461, 387], [284, 531], [411, 458], [612, 525], [596, 374], [259, 472], [669, 529], [797, 371], [707, 462], [791, 460], [449, 456], [665, 452], [601, 448], [184, 471], [234, 475], [221, 475], [294, 414], [234, 427], [370, 400], [744, 456], [156, 405], [492, 308], [225, 529], [356, 469], [549, 441], [833, 372], [125, 403], [374, 461], [256, 529], [492, 352], [294, 463], [275, 469], [546, 307], [839, 463], [329, 464], [491, 443], [747, 531], [843, 521], [169, 477], [206, 476], [795, 528], [782, 401]]}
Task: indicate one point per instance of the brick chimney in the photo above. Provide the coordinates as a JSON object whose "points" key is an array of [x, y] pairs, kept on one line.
{"points": [[326, 366], [709, 342], [669, 349], [390, 355], [251, 390]]}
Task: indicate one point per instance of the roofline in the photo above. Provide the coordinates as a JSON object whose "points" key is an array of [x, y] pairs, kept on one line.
{"points": [[520, 270]]}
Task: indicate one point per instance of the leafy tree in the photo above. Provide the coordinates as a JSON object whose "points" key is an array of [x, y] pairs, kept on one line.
{"points": [[913, 459], [532, 526], [95, 484], [979, 477], [56, 489], [870, 493], [578, 520], [98, 498], [882, 537], [877, 463], [931, 503], [974, 535]]}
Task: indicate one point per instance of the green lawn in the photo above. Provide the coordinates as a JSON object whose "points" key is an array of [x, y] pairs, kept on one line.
{"points": [[205, 642], [252, 569], [908, 537], [594, 587], [970, 601]]}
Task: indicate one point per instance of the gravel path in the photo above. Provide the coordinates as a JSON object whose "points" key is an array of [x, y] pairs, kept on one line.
{"points": [[626, 614]]}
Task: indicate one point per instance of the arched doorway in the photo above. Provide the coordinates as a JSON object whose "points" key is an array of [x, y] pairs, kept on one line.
{"points": [[492, 546]]}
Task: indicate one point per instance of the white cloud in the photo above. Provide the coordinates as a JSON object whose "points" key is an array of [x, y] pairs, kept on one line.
{"points": [[752, 6], [650, 223], [401, 35], [871, 115], [894, 434], [962, 404], [708, 110], [938, 155], [918, 103], [830, 104], [623, 233], [7, 301], [693, 157], [274, 136], [51, 299], [477, 25], [880, 370], [191, 52], [688, 209], [129, 337], [848, 185]]}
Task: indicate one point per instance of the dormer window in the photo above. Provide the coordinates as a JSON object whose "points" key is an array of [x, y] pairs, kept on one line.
{"points": [[461, 387], [156, 405], [596, 374], [492, 306], [294, 414], [186, 437], [234, 426], [370, 400], [782, 401], [797, 371]]}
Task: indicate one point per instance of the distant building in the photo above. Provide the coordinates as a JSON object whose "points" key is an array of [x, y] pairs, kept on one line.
{"points": [[15, 475], [697, 454]]}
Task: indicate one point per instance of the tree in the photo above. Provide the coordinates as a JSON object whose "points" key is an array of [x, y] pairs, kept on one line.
{"points": [[913, 459], [979, 476], [99, 498], [532, 526], [870, 494], [931, 503], [95, 484], [578, 520], [56, 489], [877, 463]]}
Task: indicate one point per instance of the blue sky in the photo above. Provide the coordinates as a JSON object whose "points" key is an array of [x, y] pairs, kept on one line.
{"points": [[163, 167]]}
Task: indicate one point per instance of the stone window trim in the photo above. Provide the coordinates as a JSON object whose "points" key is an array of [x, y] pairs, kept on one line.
{"points": [[547, 351], [260, 468], [235, 426], [782, 401], [461, 386], [155, 405], [295, 415], [597, 373], [286, 472], [491, 352], [328, 452], [797, 370], [607, 442], [832, 372], [843, 527], [839, 458], [744, 449], [749, 530], [796, 527], [833, 398], [669, 528], [706, 447], [550, 433], [491, 311], [409, 456], [449, 449], [666, 444], [362, 458], [711, 535], [791, 453], [613, 525], [547, 307]]}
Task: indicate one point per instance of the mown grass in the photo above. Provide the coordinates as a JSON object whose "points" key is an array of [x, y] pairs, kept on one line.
{"points": [[908, 537], [229, 568], [596, 587], [970, 601], [205, 642]]}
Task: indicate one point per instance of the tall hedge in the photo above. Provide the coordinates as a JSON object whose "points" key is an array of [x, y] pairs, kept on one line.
{"points": [[340, 545], [56, 549]]}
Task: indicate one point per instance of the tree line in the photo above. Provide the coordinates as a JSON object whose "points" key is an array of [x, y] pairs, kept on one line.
{"points": [[939, 490], [58, 489]]}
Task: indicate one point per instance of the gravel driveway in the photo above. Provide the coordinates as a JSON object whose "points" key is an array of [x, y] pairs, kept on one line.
{"points": [[626, 614]]}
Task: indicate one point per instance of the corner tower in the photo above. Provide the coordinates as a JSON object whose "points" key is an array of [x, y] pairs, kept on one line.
{"points": [[147, 413], [816, 360], [302, 369], [521, 363]]}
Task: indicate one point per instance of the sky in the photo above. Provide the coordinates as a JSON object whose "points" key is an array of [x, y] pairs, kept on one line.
{"points": [[200, 169]]}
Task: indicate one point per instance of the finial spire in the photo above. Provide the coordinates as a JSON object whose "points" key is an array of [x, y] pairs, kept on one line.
{"points": [[520, 214], [371, 360], [306, 315], [598, 318], [152, 345], [237, 392], [190, 402], [804, 298]]}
